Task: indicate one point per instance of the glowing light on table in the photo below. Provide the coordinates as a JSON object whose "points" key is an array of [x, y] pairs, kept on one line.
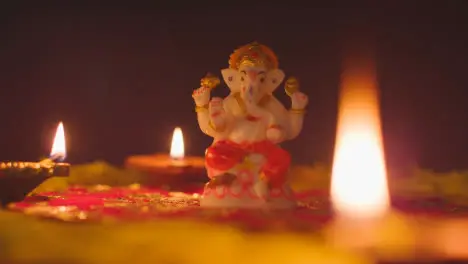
{"points": [[359, 181], [177, 145], [172, 167], [59, 150]]}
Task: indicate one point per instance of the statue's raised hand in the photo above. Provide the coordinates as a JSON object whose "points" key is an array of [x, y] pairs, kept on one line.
{"points": [[201, 96], [299, 100], [217, 113]]}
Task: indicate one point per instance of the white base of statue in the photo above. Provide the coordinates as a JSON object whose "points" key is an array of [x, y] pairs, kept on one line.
{"points": [[248, 190], [218, 198]]}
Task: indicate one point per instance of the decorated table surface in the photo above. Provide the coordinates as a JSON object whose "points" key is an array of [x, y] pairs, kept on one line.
{"points": [[125, 221], [135, 202]]}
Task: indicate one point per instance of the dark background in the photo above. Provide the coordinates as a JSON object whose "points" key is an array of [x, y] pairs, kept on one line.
{"points": [[121, 77]]}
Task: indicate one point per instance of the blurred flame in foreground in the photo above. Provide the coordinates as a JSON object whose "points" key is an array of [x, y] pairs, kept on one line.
{"points": [[59, 150], [177, 144], [359, 182]]}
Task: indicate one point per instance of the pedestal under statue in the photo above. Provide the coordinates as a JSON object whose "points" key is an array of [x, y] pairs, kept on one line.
{"points": [[246, 165]]}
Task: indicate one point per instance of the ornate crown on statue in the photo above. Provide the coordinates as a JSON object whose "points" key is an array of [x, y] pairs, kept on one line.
{"points": [[254, 55]]}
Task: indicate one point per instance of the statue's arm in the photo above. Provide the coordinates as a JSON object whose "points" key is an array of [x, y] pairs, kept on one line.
{"points": [[217, 118], [203, 118], [299, 102], [201, 96], [279, 119]]}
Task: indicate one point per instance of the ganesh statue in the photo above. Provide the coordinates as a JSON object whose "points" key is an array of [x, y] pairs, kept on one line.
{"points": [[246, 166]]}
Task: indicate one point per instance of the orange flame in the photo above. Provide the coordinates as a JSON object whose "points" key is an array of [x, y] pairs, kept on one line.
{"points": [[359, 182], [177, 144], [59, 149]]}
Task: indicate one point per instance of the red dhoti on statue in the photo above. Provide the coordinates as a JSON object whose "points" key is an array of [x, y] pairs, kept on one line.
{"points": [[223, 155]]}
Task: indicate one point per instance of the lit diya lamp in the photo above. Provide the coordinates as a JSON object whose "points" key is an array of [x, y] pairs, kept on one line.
{"points": [[173, 169], [18, 178], [364, 219]]}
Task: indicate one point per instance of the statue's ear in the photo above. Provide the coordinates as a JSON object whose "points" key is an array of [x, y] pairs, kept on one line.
{"points": [[273, 79], [232, 79]]}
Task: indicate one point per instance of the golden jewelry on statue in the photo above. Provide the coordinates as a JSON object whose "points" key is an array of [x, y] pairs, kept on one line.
{"points": [[254, 55], [291, 86], [297, 111], [216, 129], [201, 108], [210, 81]]}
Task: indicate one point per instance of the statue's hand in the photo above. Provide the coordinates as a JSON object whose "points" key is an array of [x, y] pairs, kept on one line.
{"points": [[299, 100], [275, 134], [201, 96], [217, 113]]}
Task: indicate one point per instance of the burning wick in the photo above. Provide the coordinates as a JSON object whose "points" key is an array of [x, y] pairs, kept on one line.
{"points": [[58, 151], [359, 180], [359, 188], [177, 152], [47, 167]]}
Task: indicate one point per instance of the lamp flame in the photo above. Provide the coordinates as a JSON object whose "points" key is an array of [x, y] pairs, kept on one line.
{"points": [[59, 150], [177, 144], [359, 184]]}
